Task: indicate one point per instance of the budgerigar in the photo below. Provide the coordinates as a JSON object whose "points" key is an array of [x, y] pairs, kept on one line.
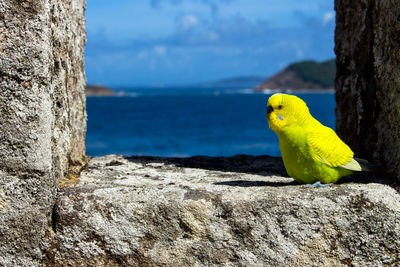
{"points": [[311, 152]]}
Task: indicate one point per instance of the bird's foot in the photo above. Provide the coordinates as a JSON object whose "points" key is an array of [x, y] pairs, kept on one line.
{"points": [[317, 184]]}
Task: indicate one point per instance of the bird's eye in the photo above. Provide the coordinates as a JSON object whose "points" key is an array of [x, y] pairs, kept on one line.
{"points": [[280, 107]]}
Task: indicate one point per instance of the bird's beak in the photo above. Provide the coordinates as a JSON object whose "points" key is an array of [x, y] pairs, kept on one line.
{"points": [[269, 109]]}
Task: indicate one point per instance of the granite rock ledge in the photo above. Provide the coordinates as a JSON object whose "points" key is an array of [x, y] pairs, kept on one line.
{"points": [[205, 211]]}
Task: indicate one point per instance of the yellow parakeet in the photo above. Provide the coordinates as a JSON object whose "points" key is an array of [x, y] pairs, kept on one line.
{"points": [[311, 152]]}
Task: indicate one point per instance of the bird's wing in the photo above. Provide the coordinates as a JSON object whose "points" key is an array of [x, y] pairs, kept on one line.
{"points": [[329, 149]]}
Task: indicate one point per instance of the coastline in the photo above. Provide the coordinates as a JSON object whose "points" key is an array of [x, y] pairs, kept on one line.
{"points": [[296, 91]]}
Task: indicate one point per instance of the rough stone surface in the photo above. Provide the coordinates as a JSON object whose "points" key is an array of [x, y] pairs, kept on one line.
{"points": [[204, 211], [368, 79], [42, 117]]}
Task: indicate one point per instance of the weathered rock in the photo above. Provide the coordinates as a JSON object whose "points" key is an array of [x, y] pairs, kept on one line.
{"points": [[42, 117], [368, 79], [205, 211]]}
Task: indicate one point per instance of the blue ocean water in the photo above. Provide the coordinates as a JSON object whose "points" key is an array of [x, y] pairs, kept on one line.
{"points": [[180, 123]]}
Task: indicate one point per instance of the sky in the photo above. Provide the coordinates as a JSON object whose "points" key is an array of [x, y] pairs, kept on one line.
{"points": [[177, 42]]}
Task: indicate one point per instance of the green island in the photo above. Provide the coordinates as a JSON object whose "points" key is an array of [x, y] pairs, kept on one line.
{"points": [[303, 75]]}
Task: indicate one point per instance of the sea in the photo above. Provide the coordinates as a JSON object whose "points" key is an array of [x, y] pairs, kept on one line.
{"points": [[183, 122]]}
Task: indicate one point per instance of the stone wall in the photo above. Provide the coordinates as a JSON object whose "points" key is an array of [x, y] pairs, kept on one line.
{"points": [[368, 79], [42, 117], [212, 211]]}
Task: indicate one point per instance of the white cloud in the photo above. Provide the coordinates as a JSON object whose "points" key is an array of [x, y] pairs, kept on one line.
{"points": [[142, 54], [160, 50], [328, 17], [189, 21], [213, 36]]}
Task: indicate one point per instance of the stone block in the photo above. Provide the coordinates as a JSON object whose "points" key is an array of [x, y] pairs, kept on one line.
{"points": [[205, 211], [42, 118], [368, 79]]}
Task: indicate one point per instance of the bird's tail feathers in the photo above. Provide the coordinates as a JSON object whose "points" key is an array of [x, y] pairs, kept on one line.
{"points": [[369, 167]]}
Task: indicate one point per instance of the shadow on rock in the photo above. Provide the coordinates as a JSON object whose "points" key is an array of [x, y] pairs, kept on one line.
{"points": [[245, 183], [366, 178], [261, 165]]}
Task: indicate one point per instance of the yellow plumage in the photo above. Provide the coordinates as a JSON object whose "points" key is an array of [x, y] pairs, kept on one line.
{"points": [[310, 151]]}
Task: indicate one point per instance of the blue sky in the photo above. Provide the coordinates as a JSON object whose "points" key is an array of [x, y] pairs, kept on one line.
{"points": [[172, 42]]}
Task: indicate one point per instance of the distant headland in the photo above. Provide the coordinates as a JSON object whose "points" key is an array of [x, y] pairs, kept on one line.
{"points": [[304, 75], [308, 75], [99, 90]]}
